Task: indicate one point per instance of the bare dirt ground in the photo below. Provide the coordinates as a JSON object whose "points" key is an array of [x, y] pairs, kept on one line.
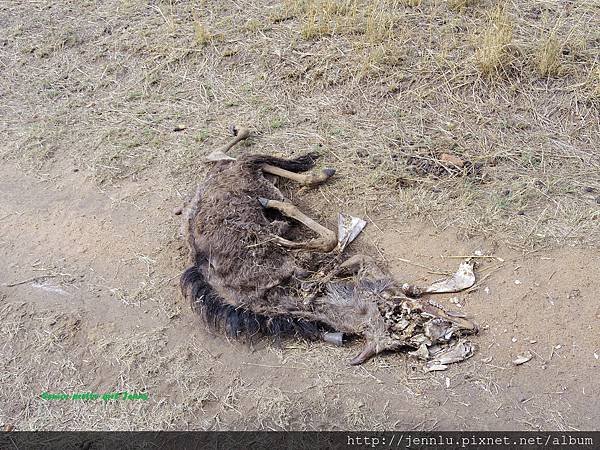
{"points": [[90, 256]]}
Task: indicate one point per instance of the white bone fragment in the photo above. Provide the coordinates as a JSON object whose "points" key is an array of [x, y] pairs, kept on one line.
{"points": [[464, 278], [349, 228]]}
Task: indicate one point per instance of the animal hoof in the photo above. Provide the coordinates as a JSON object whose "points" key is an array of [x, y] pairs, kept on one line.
{"points": [[366, 353], [263, 201], [328, 172], [334, 338], [241, 133]]}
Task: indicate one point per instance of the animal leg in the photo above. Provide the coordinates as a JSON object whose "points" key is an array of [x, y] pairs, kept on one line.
{"points": [[305, 179], [325, 243], [221, 153]]}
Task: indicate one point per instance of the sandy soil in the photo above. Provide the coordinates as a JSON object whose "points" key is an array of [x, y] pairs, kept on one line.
{"points": [[105, 315]]}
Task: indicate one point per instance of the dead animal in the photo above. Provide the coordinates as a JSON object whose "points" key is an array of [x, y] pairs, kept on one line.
{"points": [[254, 271]]}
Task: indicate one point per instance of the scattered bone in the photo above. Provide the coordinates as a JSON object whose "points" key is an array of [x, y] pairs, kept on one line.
{"points": [[522, 359], [411, 290], [440, 330], [456, 353], [463, 279], [421, 353], [435, 367], [349, 228]]}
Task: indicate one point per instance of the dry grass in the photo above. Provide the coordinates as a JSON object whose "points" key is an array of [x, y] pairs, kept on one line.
{"points": [[202, 35], [411, 2], [493, 55], [460, 5], [548, 57], [411, 79]]}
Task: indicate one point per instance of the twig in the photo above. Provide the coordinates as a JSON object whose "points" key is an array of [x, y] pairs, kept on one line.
{"points": [[429, 269], [29, 280], [258, 244], [275, 367], [471, 256], [478, 283]]}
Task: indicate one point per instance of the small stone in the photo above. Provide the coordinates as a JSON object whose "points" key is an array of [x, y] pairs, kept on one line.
{"points": [[517, 281], [522, 359], [514, 339], [177, 211], [179, 127]]}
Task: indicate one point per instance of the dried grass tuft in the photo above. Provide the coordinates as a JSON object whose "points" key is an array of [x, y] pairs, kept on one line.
{"points": [[202, 35], [493, 54], [548, 57]]}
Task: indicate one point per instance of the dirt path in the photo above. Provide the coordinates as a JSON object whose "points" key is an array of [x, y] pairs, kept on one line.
{"points": [[108, 317]]}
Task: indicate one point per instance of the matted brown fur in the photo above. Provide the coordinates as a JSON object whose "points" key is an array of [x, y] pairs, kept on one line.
{"points": [[240, 280]]}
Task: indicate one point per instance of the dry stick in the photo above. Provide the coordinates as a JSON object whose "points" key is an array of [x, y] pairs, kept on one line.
{"points": [[472, 256], [478, 284], [258, 244], [276, 367], [29, 280], [429, 269]]}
